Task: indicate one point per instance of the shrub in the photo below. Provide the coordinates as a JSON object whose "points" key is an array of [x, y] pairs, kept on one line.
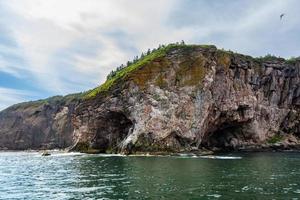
{"points": [[274, 139]]}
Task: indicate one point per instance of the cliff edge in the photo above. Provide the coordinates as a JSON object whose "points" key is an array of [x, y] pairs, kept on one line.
{"points": [[177, 98]]}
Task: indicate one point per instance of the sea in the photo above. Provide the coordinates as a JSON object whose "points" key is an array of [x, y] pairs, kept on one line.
{"points": [[29, 175]]}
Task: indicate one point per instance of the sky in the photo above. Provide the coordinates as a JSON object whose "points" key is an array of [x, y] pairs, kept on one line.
{"points": [[57, 47]]}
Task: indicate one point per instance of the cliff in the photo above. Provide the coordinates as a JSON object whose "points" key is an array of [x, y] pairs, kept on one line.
{"points": [[44, 124], [178, 98]]}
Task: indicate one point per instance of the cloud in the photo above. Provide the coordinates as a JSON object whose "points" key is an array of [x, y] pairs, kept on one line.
{"points": [[250, 27], [50, 33], [12, 96], [5, 67]]}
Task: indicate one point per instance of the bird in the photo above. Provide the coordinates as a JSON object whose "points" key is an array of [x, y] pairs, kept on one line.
{"points": [[281, 16]]}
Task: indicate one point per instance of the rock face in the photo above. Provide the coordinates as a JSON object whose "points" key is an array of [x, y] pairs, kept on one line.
{"points": [[195, 98], [37, 125], [189, 98]]}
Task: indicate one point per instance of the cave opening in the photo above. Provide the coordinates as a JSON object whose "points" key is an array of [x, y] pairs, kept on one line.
{"points": [[227, 137], [111, 129]]}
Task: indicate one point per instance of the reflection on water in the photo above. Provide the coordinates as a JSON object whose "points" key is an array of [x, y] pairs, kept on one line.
{"points": [[78, 176]]}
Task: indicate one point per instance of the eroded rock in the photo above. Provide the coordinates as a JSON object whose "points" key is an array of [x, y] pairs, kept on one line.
{"points": [[191, 98], [199, 99]]}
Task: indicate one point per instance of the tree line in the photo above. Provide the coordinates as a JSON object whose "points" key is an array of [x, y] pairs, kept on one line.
{"points": [[137, 58]]}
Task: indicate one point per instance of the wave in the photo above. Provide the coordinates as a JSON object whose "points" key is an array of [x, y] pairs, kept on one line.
{"points": [[222, 157]]}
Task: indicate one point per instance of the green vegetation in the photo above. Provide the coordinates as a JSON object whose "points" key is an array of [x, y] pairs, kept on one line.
{"points": [[267, 57], [51, 100], [118, 74], [292, 60], [122, 71], [275, 139], [146, 57]]}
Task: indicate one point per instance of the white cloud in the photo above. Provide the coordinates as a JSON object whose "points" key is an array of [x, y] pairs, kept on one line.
{"points": [[250, 27], [7, 68], [45, 28], [12, 96], [10, 62]]}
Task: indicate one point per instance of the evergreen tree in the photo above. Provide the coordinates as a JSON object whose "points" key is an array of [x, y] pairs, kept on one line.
{"points": [[148, 52]]}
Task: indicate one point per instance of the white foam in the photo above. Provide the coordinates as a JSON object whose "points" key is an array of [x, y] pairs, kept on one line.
{"points": [[222, 157], [214, 195], [58, 154], [109, 155], [297, 191]]}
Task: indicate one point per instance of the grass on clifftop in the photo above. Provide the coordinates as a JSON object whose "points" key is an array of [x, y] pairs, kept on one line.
{"points": [[122, 71], [269, 57], [136, 64], [51, 100]]}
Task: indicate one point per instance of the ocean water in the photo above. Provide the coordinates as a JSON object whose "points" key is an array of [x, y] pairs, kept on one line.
{"points": [[79, 176]]}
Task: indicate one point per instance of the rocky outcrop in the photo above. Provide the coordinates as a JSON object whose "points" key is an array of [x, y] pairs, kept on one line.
{"points": [[180, 98], [44, 124], [195, 98]]}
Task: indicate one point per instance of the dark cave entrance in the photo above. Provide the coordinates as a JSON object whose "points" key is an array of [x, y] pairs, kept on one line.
{"points": [[227, 137], [112, 128]]}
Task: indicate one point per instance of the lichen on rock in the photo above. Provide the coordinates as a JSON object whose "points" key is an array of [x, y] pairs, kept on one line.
{"points": [[176, 99], [203, 98]]}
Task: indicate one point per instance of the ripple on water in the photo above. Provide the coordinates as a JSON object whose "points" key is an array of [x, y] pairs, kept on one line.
{"points": [[78, 176]]}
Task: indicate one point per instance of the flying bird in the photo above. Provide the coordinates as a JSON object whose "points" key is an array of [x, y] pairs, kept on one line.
{"points": [[281, 16]]}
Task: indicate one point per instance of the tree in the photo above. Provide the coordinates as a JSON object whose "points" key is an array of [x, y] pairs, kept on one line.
{"points": [[111, 74], [135, 59]]}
